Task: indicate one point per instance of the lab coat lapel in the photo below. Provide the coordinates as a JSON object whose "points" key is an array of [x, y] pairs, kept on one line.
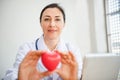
{"points": [[61, 46], [41, 44]]}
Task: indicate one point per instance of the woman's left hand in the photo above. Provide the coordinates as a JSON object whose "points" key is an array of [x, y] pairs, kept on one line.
{"points": [[69, 69]]}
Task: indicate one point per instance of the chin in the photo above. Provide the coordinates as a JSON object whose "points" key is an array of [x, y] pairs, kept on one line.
{"points": [[52, 37]]}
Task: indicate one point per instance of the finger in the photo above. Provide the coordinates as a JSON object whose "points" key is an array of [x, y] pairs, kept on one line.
{"points": [[72, 56], [74, 61], [63, 61], [69, 58], [64, 56], [46, 73], [58, 71], [39, 52], [61, 53], [33, 55], [31, 62], [26, 58]]}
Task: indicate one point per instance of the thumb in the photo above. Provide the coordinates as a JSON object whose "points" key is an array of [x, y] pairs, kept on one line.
{"points": [[58, 71], [46, 73]]}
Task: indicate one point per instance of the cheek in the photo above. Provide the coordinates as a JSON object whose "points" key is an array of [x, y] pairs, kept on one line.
{"points": [[44, 27], [61, 27]]}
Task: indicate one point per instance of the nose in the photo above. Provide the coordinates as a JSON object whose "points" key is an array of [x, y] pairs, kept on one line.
{"points": [[52, 24]]}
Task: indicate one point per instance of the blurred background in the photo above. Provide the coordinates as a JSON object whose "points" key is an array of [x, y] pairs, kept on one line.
{"points": [[86, 26]]}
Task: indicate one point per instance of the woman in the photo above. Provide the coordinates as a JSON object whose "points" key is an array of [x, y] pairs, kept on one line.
{"points": [[28, 65]]}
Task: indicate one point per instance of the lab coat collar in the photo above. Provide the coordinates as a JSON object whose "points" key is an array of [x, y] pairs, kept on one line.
{"points": [[61, 46]]}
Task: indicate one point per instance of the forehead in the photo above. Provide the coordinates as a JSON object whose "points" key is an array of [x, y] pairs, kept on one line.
{"points": [[52, 12]]}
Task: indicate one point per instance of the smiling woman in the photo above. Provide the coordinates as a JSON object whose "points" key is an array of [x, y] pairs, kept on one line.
{"points": [[52, 23], [28, 64]]}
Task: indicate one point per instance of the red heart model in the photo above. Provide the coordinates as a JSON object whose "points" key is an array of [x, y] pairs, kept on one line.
{"points": [[50, 60]]}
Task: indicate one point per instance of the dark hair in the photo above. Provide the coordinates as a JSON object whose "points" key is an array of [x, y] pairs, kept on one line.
{"points": [[53, 5]]}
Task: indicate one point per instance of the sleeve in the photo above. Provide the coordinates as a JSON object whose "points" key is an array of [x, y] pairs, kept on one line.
{"points": [[12, 73], [80, 63]]}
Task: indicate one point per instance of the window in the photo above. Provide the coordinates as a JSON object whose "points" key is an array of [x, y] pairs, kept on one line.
{"points": [[113, 24]]}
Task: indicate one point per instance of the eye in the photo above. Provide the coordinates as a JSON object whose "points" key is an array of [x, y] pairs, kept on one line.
{"points": [[58, 19], [46, 19]]}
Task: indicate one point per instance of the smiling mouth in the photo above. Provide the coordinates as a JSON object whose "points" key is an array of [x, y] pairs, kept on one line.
{"points": [[52, 30]]}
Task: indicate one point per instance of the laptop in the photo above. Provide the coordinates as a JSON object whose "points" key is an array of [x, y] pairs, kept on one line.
{"points": [[101, 66]]}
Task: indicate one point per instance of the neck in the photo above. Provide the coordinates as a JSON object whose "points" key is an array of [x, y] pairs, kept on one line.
{"points": [[51, 43]]}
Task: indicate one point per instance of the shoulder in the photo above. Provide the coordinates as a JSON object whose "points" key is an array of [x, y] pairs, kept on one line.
{"points": [[72, 47], [26, 47]]}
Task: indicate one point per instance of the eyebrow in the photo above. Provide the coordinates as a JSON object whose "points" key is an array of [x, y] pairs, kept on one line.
{"points": [[49, 16]]}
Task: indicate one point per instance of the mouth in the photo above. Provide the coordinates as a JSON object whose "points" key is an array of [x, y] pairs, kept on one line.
{"points": [[52, 30]]}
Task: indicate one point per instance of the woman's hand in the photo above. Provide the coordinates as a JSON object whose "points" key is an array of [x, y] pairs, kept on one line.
{"points": [[27, 68], [69, 69]]}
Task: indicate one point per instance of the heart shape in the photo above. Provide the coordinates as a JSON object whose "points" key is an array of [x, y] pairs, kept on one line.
{"points": [[50, 60]]}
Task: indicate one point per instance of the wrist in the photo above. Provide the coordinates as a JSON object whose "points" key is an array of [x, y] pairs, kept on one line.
{"points": [[74, 75], [22, 74]]}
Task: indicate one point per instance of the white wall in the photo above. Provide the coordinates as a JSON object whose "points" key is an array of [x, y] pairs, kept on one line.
{"points": [[19, 22], [97, 26]]}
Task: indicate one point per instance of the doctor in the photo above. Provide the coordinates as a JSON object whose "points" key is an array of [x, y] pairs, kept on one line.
{"points": [[28, 65]]}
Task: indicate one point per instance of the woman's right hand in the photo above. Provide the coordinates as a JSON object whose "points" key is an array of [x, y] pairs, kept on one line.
{"points": [[27, 68]]}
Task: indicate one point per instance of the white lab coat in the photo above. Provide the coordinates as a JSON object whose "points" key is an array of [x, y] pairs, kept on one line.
{"points": [[12, 74]]}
